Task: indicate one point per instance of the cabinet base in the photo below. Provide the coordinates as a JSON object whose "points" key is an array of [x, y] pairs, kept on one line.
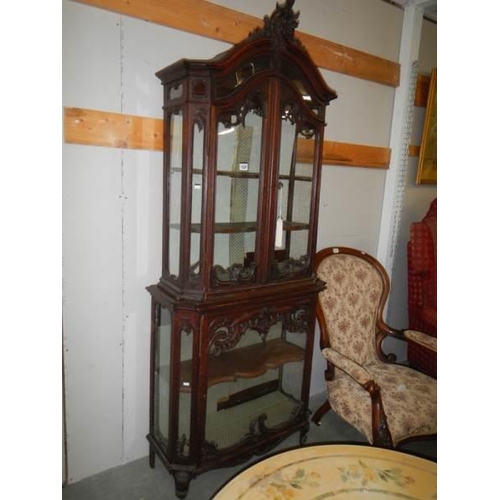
{"points": [[183, 474]]}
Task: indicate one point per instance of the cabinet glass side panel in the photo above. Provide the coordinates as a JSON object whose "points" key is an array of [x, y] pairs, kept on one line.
{"points": [[237, 196], [294, 196], [254, 385], [175, 192], [185, 391], [197, 199], [162, 374]]}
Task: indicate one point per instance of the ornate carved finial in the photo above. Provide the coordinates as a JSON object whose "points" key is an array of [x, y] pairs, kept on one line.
{"points": [[280, 26]]}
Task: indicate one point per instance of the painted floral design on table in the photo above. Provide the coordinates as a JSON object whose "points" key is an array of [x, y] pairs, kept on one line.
{"points": [[345, 472], [283, 488], [367, 474]]}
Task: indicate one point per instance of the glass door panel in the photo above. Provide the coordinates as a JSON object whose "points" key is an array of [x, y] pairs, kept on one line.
{"points": [[294, 197], [237, 196], [254, 384]]}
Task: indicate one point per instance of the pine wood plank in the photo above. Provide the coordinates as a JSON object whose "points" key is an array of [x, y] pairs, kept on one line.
{"points": [[347, 154], [422, 90], [201, 17], [115, 130], [336, 57], [414, 150]]}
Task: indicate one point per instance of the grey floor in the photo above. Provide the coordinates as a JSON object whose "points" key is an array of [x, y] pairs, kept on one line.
{"points": [[137, 481]]}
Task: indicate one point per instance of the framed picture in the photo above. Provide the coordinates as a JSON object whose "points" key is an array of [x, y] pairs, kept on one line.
{"points": [[427, 159]]}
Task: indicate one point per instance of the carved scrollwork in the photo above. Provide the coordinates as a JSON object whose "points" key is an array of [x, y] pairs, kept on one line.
{"points": [[297, 321], [186, 326], [290, 112], [237, 273], [200, 118], [254, 102], [307, 130], [279, 26], [262, 322], [226, 335], [183, 446], [289, 267]]}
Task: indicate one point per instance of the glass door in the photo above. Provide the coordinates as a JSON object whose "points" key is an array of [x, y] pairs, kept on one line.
{"points": [[238, 173]]}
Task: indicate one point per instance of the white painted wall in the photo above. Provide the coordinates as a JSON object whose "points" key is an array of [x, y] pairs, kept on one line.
{"points": [[417, 197], [112, 202]]}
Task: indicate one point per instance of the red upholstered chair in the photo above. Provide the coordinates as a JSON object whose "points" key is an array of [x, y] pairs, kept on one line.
{"points": [[388, 403], [422, 288]]}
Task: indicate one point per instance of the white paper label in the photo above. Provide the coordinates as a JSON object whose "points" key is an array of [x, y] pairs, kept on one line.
{"points": [[279, 233]]}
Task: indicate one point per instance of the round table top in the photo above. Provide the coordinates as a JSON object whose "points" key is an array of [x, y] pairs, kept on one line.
{"points": [[344, 472]]}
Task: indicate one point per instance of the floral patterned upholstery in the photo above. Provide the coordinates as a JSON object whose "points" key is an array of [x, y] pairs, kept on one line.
{"points": [[409, 401], [364, 385]]}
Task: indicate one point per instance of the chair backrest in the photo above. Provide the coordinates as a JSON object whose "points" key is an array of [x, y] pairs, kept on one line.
{"points": [[350, 308], [422, 263]]}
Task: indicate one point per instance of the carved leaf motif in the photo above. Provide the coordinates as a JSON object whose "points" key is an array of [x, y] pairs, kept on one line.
{"points": [[280, 26]]}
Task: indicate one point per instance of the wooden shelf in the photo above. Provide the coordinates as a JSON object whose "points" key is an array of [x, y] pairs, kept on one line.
{"points": [[246, 362], [294, 226], [238, 175], [245, 227], [296, 178], [252, 175], [229, 227]]}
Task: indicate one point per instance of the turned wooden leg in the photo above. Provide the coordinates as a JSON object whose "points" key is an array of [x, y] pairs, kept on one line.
{"points": [[182, 480], [151, 457], [303, 435], [318, 415]]}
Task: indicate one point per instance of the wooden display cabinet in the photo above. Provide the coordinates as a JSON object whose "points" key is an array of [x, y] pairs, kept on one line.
{"points": [[233, 313]]}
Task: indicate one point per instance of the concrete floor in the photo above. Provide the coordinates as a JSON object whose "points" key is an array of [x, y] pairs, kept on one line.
{"points": [[137, 481]]}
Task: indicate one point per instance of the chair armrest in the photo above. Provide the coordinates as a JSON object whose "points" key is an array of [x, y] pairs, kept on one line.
{"points": [[422, 339], [360, 374]]}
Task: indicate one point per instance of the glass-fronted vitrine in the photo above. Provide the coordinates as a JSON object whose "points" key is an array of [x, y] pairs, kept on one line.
{"points": [[233, 314]]}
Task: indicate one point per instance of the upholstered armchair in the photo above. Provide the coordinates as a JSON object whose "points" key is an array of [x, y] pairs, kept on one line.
{"points": [[422, 288], [387, 402]]}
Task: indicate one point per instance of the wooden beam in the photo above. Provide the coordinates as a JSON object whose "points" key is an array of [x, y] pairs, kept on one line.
{"points": [[203, 18], [335, 57], [414, 150], [347, 154], [115, 130], [422, 90]]}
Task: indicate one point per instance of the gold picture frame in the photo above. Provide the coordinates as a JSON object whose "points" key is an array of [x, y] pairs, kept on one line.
{"points": [[427, 158]]}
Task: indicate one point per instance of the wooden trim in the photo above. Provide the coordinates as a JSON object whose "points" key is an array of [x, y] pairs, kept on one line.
{"points": [[203, 18], [335, 57], [422, 90], [347, 154], [115, 130], [414, 150]]}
